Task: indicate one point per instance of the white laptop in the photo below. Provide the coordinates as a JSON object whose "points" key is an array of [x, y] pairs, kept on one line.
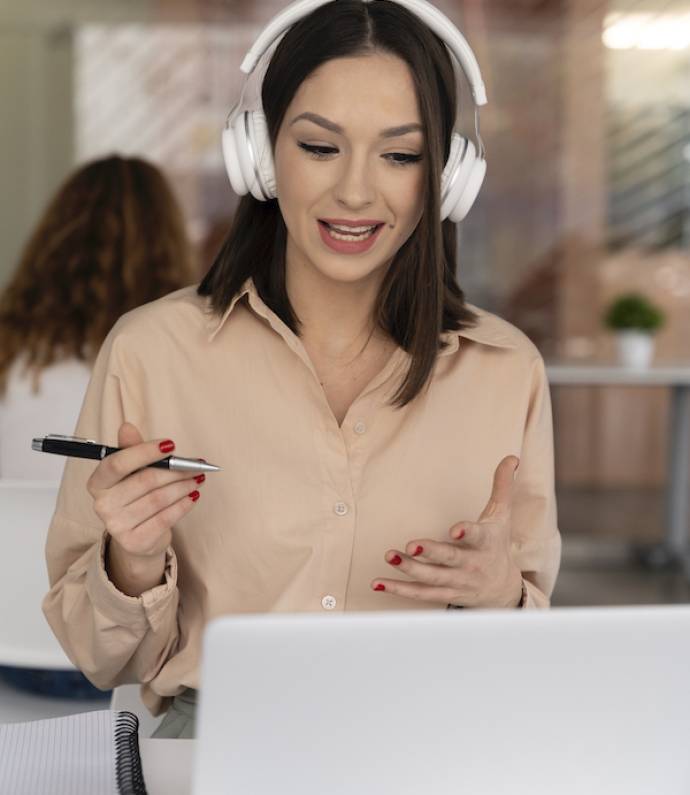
{"points": [[570, 701]]}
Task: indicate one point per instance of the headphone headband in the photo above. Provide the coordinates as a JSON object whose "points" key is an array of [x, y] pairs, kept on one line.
{"points": [[428, 13], [247, 150]]}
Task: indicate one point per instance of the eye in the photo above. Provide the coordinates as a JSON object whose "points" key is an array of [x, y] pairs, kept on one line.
{"points": [[323, 152], [405, 160], [317, 152]]}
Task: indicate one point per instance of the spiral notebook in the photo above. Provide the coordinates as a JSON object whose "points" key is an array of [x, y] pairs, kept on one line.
{"points": [[90, 753]]}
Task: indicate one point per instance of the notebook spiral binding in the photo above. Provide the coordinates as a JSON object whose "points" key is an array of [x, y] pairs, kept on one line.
{"points": [[130, 778]]}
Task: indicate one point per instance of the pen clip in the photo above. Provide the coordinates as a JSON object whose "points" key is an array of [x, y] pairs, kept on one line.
{"points": [[70, 438]]}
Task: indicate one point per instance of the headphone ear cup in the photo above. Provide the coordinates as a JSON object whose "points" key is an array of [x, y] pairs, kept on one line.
{"points": [[474, 182], [231, 160], [254, 156], [262, 150], [462, 178], [245, 160]]}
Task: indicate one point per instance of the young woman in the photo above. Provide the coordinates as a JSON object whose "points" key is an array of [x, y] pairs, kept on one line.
{"points": [[367, 422]]}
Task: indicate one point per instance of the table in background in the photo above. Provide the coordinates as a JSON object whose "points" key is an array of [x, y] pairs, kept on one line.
{"points": [[676, 545]]}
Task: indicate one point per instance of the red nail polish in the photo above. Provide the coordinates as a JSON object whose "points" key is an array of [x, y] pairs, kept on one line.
{"points": [[167, 446], [200, 478], [380, 587], [194, 495], [395, 561], [418, 551]]}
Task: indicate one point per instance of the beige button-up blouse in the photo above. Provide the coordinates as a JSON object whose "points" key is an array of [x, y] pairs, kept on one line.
{"points": [[303, 510]]}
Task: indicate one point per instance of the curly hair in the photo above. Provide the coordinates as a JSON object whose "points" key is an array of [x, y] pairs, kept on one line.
{"points": [[112, 238]]}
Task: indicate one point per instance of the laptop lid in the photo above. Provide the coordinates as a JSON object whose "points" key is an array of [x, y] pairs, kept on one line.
{"points": [[567, 701]]}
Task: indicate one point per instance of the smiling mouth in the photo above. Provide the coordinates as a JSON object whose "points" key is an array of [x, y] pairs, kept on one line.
{"points": [[339, 233]]}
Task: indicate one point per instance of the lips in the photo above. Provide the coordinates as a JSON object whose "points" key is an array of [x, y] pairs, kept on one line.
{"points": [[357, 246]]}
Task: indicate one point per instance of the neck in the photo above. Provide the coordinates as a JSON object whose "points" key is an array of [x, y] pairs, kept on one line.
{"points": [[336, 317]]}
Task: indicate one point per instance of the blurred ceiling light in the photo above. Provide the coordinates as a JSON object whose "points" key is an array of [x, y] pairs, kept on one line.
{"points": [[647, 31]]}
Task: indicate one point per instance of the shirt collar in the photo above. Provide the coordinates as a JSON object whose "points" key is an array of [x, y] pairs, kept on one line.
{"points": [[488, 331], [214, 323]]}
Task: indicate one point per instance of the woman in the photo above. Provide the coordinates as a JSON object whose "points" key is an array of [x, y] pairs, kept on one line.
{"points": [[364, 417], [91, 258]]}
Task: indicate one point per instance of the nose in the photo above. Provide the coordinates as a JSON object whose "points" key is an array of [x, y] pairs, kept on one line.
{"points": [[355, 187]]}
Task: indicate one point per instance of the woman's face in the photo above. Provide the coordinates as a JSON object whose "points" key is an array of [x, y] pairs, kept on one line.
{"points": [[338, 159]]}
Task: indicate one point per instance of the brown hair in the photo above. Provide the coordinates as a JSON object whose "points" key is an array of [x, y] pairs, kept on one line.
{"points": [[419, 297], [112, 238]]}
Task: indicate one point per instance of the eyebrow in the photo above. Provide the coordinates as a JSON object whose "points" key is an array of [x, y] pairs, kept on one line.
{"points": [[390, 132]]}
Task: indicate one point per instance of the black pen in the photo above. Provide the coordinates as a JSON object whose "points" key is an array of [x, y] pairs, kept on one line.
{"points": [[75, 447]]}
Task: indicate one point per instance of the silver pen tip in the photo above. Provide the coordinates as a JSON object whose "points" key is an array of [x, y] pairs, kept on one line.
{"points": [[37, 444], [190, 465], [209, 467]]}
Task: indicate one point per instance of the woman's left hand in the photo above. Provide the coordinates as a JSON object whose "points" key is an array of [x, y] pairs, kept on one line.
{"points": [[475, 569]]}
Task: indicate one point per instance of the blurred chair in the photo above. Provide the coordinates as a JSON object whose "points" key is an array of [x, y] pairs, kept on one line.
{"points": [[30, 656], [26, 639], [127, 697]]}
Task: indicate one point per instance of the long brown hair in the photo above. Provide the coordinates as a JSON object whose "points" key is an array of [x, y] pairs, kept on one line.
{"points": [[112, 238], [419, 297]]}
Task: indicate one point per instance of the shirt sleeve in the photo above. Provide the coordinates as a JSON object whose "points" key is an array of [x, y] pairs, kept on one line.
{"points": [[111, 637], [536, 540]]}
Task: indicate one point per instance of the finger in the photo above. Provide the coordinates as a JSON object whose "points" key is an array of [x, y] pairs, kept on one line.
{"points": [[415, 590], [443, 553], [128, 435], [429, 573], [121, 517], [502, 490], [154, 535], [117, 466], [140, 483], [469, 535]]}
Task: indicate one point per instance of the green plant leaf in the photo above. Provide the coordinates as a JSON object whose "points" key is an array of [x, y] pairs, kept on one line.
{"points": [[633, 311]]}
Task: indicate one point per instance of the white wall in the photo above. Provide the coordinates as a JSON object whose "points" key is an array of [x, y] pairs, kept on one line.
{"points": [[36, 131]]}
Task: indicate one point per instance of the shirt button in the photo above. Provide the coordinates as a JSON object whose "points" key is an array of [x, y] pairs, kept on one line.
{"points": [[360, 427], [328, 602], [340, 508]]}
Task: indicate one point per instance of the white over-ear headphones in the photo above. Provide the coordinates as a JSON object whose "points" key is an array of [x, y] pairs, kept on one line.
{"points": [[246, 145]]}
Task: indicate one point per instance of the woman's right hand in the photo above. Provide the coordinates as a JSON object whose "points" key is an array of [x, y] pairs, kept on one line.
{"points": [[138, 504]]}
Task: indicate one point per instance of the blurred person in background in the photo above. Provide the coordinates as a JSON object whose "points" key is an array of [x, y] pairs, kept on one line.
{"points": [[112, 238]]}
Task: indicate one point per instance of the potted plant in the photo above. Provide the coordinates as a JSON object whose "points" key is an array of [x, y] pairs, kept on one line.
{"points": [[634, 319]]}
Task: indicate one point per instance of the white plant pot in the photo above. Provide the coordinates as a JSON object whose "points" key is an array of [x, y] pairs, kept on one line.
{"points": [[635, 348]]}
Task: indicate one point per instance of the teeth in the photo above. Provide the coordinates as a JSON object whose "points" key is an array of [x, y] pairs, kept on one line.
{"points": [[339, 236], [352, 229]]}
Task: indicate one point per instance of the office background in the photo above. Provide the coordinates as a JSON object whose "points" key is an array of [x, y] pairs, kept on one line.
{"points": [[587, 196]]}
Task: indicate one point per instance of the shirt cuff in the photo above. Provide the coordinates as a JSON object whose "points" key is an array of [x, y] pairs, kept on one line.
{"points": [[524, 600], [535, 598], [142, 611]]}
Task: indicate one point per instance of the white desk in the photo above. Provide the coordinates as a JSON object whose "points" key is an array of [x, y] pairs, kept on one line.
{"points": [[167, 766], [676, 376]]}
